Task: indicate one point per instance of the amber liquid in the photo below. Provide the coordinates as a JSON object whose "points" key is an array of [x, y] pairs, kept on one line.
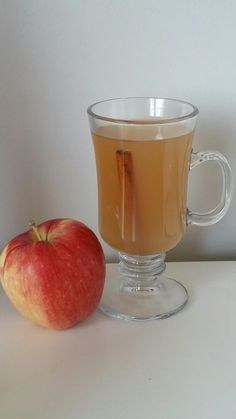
{"points": [[142, 189]]}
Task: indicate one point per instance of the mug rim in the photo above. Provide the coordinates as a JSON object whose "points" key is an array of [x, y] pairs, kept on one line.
{"points": [[189, 115]]}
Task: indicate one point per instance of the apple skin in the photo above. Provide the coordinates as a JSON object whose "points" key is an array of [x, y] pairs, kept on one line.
{"points": [[54, 278]]}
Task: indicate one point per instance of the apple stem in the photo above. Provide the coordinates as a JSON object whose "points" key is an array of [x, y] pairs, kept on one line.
{"points": [[35, 230]]}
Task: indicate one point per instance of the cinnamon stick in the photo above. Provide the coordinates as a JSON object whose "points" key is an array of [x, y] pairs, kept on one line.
{"points": [[127, 188]]}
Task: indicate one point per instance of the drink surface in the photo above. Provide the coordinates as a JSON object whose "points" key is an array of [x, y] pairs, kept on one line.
{"points": [[142, 188]]}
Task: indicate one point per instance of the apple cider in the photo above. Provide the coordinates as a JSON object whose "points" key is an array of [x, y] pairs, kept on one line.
{"points": [[142, 188]]}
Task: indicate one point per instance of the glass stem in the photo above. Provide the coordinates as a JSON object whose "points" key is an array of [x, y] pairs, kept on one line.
{"points": [[141, 271]]}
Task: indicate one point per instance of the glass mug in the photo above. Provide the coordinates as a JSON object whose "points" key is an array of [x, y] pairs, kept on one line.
{"points": [[143, 150]]}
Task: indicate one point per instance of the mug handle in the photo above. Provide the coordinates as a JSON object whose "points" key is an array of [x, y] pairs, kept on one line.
{"points": [[213, 216]]}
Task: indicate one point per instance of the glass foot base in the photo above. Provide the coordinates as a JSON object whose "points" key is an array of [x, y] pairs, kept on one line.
{"points": [[159, 300]]}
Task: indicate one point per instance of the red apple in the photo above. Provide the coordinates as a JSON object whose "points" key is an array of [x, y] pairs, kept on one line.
{"points": [[54, 273]]}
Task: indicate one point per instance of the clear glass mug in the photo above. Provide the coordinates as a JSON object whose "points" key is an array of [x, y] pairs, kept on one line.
{"points": [[143, 150]]}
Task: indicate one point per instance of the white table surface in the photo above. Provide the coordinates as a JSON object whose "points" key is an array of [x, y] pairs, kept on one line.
{"points": [[183, 367]]}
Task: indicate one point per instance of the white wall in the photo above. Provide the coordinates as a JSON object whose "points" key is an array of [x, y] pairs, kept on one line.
{"points": [[58, 56]]}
